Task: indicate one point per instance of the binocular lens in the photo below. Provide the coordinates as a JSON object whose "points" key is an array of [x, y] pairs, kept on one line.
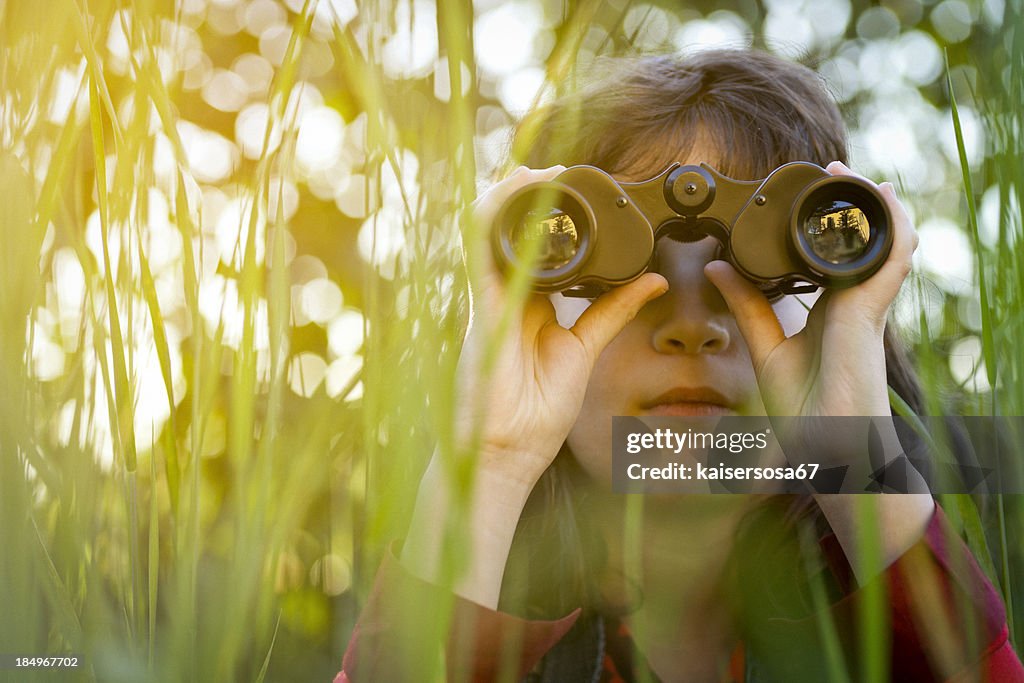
{"points": [[837, 231], [555, 233]]}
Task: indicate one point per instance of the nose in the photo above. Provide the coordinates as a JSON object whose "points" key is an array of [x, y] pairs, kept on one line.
{"points": [[691, 318], [690, 329]]}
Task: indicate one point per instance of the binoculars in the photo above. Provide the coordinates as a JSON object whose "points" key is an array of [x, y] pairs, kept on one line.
{"points": [[798, 229]]}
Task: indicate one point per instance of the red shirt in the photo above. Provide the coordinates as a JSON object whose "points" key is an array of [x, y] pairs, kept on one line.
{"points": [[934, 591]]}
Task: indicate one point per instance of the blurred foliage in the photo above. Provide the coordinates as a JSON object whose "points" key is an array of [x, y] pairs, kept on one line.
{"points": [[227, 251]]}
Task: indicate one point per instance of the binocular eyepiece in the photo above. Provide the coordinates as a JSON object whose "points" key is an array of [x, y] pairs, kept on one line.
{"points": [[795, 230]]}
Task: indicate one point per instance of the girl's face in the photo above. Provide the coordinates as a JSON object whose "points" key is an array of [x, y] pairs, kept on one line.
{"points": [[682, 355]]}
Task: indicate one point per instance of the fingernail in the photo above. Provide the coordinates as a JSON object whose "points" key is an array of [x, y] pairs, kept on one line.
{"points": [[661, 289]]}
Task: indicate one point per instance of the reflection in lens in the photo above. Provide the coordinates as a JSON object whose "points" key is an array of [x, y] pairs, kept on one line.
{"points": [[837, 232], [556, 235]]}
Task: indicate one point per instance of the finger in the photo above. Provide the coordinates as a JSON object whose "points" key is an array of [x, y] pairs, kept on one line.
{"points": [[486, 280], [754, 314], [880, 289], [905, 237], [897, 266], [839, 168], [612, 311]]}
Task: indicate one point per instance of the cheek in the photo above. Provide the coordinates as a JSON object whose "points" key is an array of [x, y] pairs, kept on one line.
{"points": [[590, 441], [608, 394]]}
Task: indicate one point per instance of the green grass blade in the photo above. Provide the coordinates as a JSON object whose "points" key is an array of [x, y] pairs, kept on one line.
{"points": [[164, 357], [261, 676], [154, 558], [121, 420], [987, 321], [834, 660], [59, 597], [873, 626], [100, 90]]}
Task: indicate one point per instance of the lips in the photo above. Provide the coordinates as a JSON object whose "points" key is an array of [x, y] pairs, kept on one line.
{"points": [[689, 401]]}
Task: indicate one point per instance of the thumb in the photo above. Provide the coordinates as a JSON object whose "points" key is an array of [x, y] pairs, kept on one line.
{"points": [[612, 311], [753, 312]]}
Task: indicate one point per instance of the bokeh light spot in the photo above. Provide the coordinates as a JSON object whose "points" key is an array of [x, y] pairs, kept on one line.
{"points": [[944, 252], [503, 37], [321, 300], [226, 91], [352, 199], [251, 129], [967, 366], [211, 157], [877, 23], [345, 333], [648, 27], [518, 91], [305, 373], [263, 14], [920, 57], [952, 20], [331, 574], [321, 134], [256, 71], [341, 374], [274, 43], [411, 50], [721, 29], [788, 32]]}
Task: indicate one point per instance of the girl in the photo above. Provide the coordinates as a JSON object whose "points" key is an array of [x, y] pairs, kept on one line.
{"points": [[708, 588]]}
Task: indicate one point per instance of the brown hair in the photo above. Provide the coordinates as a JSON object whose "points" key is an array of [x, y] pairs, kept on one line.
{"points": [[756, 112]]}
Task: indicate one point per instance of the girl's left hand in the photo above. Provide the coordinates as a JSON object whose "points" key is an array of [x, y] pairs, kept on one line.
{"points": [[835, 366]]}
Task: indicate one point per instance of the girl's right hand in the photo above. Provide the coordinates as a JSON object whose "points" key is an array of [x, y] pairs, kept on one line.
{"points": [[525, 404], [513, 416]]}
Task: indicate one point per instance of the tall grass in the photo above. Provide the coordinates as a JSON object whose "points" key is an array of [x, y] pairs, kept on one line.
{"points": [[176, 504], [128, 548]]}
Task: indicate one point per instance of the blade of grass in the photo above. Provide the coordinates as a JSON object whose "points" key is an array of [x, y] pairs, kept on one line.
{"points": [[121, 420], [67, 142], [987, 321], [122, 416], [835, 662], [873, 626], [100, 90], [164, 357], [261, 676], [58, 596], [154, 554]]}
